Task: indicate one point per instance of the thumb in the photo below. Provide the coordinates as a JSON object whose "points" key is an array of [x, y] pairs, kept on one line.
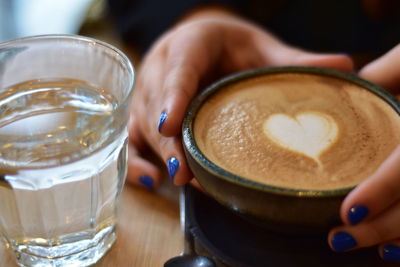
{"points": [[286, 55], [385, 71], [340, 62]]}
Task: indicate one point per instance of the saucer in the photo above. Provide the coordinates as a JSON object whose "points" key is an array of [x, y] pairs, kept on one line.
{"points": [[231, 240]]}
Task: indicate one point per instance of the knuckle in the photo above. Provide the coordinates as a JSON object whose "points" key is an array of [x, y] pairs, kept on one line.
{"points": [[377, 234], [163, 146], [186, 93]]}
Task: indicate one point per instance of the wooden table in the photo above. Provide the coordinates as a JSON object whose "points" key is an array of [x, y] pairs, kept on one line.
{"points": [[148, 234]]}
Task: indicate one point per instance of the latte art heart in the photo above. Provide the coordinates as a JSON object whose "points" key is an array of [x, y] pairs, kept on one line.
{"points": [[309, 133]]}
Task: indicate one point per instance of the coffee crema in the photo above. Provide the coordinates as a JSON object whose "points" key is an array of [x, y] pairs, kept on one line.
{"points": [[298, 131]]}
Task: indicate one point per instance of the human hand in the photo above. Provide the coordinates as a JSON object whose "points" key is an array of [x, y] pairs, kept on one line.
{"points": [[371, 212], [203, 47], [385, 71]]}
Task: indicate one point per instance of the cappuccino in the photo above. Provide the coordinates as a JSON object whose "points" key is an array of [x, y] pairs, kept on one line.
{"points": [[297, 130]]}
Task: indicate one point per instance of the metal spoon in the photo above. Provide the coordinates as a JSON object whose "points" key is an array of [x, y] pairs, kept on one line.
{"points": [[189, 258]]}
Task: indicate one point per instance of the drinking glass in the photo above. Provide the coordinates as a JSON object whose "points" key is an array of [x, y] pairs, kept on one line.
{"points": [[64, 107]]}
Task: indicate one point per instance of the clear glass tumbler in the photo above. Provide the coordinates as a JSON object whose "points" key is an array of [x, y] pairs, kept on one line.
{"points": [[64, 107]]}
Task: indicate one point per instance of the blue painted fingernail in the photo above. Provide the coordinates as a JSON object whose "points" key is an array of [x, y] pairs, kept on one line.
{"points": [[357, 213], [173, 166], [147, 181], [162, 119], [343, 241], [391, 253]]}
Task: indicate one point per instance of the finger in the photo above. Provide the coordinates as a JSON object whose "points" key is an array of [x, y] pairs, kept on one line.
{"points": [[385, 71], [286, 55], [376, 193], [378, 230], [168, 148], [181, 85], [171, 152], [186, 62], [148, 95], [334, 61], [390, 251], [142, 172]]}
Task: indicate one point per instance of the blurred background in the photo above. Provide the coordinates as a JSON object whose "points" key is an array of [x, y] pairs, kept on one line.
{"points": [[26, 17]]}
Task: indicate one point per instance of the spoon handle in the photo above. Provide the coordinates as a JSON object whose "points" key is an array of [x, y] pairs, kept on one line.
{"points": [[189, 258], [188, 237]]}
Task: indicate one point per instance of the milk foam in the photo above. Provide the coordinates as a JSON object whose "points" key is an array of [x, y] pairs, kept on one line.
{"points": [[297, 130]]}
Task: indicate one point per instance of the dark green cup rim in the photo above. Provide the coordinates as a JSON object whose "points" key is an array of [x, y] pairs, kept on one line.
{"points": [[195, 152]]}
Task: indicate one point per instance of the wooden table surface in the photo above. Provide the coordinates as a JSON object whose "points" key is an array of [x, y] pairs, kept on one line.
{"points": [[148, 232]]}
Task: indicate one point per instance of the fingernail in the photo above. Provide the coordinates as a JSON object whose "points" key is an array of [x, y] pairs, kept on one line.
{"points": [[391, 253], [357, 213], [342, 241], [147, 181], [162, 119], [173, 166]]}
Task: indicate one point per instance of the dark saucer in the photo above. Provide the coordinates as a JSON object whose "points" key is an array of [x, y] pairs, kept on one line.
{"points": [[233, 241]]}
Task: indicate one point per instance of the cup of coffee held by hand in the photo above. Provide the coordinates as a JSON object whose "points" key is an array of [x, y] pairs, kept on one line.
{"points": [[285, 145]]}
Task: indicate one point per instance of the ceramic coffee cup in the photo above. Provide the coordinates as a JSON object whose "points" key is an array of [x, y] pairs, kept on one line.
{"points": [[283, 146]]}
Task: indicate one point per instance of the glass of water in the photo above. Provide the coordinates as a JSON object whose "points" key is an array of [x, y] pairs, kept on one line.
{"points": [[64, 107]]}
